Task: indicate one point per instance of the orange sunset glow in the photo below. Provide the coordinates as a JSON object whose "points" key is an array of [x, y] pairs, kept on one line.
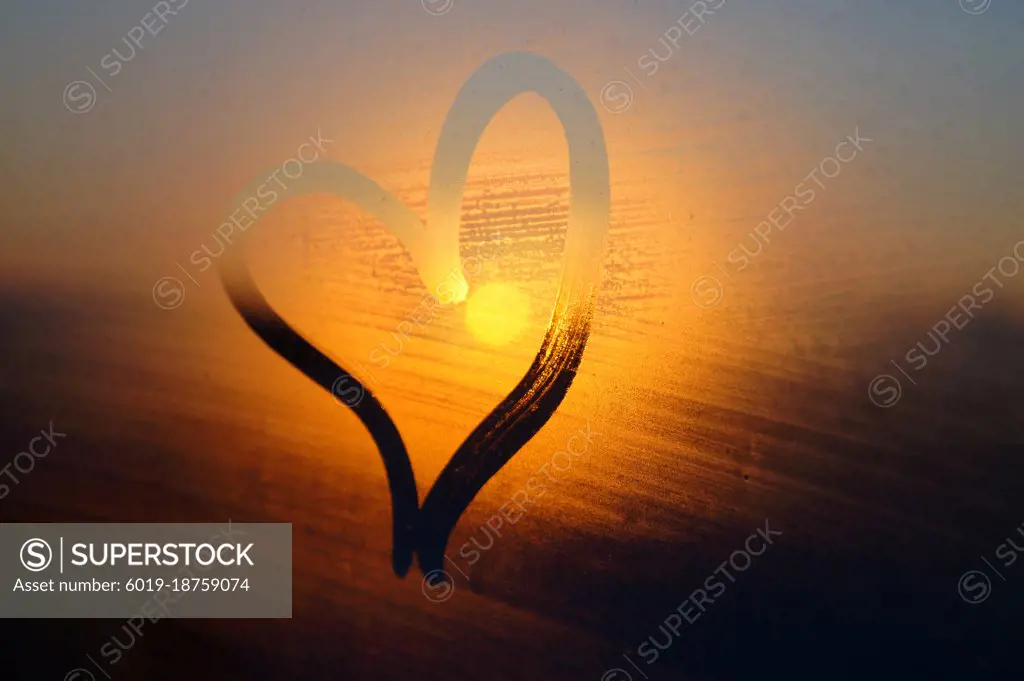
{"points": [[533, 321]]}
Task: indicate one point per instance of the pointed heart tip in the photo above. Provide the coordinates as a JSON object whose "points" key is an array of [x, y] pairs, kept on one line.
{"points": [[431, 559], [401, 564]]}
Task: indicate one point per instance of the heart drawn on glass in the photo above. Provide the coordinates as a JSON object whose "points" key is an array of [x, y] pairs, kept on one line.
{"points": [[434, 248]]}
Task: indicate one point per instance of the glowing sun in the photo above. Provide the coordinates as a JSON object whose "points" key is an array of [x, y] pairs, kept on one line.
{"points": [[497, 313]]}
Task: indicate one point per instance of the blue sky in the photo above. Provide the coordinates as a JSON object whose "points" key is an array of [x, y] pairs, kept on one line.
{"points": [[228, 87]]}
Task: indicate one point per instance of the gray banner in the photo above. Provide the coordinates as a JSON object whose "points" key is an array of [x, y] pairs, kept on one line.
{"points": [[197, 570]]}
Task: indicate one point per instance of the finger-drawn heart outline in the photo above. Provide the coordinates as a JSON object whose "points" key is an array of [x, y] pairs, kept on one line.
{"points": [[518, 417]]}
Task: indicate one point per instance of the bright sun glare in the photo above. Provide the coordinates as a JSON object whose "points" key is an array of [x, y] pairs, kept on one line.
{"points": [[497, 313]]}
